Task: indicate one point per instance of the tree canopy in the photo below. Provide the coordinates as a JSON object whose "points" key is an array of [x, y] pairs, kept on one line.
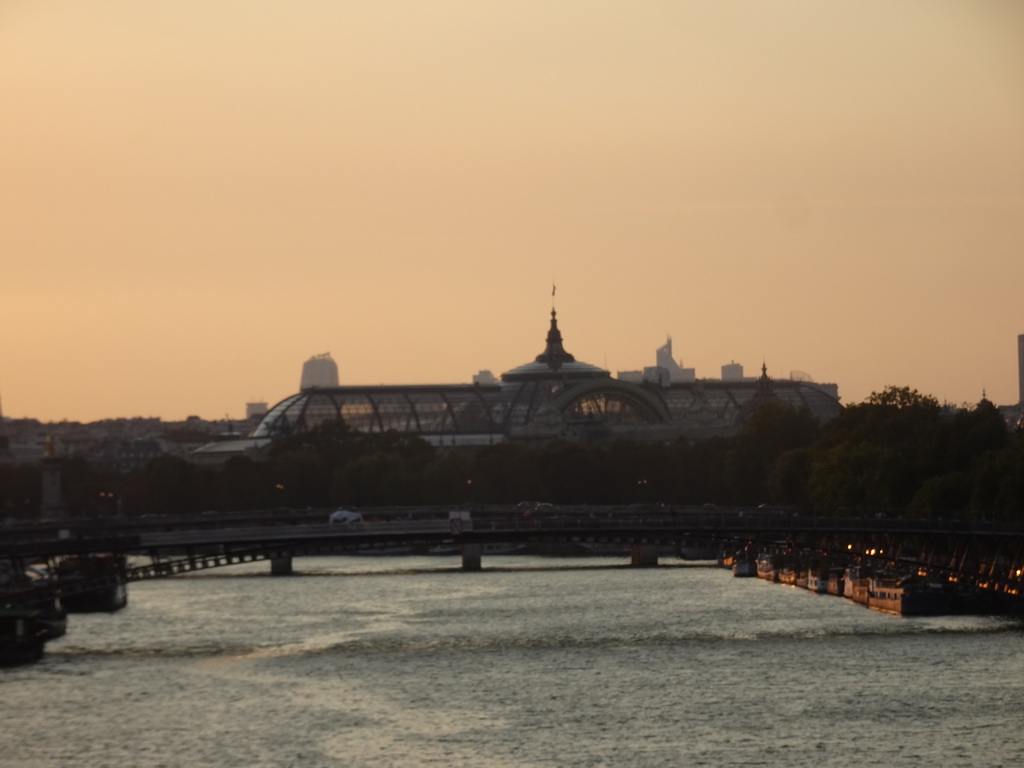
{"points": [[898, 451]]}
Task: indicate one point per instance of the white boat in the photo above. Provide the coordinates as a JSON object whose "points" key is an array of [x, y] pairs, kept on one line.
{"points": [[855, 583], [852, 574], [817, 581]]}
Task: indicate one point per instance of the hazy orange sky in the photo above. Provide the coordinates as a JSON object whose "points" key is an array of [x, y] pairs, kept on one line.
{"points": [[198, 195]]}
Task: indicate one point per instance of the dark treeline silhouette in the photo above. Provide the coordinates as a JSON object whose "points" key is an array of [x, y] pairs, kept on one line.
{"points": [[897, 452]]}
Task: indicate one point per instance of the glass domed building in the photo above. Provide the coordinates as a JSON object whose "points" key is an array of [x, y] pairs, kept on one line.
{"points": [[552, 396]]}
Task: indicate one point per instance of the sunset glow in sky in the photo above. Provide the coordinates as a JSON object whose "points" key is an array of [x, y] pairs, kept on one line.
{"points": [[198, 195]]}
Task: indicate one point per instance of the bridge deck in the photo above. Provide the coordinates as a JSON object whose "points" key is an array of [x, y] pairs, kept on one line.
{"points": [[982, 551]]}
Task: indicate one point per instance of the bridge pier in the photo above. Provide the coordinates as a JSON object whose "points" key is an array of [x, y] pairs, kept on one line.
{"points": [[643, 555], [281, 566], [471, 557]]}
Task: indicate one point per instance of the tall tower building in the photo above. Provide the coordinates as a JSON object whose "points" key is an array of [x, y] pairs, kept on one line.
{"points": [[319, 371], [5, 443], [676, 372], [1020, 369]]}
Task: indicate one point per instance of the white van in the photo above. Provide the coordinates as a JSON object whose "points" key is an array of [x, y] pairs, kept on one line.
{"points": [[345, 517]]}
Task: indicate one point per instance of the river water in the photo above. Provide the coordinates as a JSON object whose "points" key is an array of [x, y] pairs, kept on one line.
{"points": [[532, 662]]}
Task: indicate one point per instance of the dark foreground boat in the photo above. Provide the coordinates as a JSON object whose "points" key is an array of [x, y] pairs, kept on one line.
{"points": [[52, 615], [93, 583], [22, 636]]}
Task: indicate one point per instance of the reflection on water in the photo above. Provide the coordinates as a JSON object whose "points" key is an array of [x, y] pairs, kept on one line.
{"points": [[534, 662]]}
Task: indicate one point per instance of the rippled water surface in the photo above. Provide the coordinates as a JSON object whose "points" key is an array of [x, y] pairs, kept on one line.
{"points": [[533, 662]]}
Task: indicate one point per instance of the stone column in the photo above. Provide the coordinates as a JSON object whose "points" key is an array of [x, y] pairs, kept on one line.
{"points": [[643, 555], [281, 565], [52, 501]]}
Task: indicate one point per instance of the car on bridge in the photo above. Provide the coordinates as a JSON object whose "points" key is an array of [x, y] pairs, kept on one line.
{"points": [[530, 508], [345, 517]]}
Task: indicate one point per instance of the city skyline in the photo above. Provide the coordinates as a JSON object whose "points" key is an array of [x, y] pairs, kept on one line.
{"points": [[721, 375], [198, 197]]}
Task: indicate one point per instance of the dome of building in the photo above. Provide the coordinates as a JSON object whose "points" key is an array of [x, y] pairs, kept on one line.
{"points": [[554, 362]]}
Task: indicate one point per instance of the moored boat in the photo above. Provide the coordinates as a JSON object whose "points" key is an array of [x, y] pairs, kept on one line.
{"points": [[787, 575], [744, 567], [905, 596], [835, 582], [855, 583], [53, 617], [817, 581], [22, 637], [801, 577], [766, 567], [93, 583]]}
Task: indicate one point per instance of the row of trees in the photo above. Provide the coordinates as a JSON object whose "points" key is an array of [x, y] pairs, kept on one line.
{"points": [[897, 451]]}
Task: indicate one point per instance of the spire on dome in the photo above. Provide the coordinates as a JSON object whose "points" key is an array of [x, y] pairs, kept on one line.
{"points": [[554, 354], [764, 383], [554, 361]]}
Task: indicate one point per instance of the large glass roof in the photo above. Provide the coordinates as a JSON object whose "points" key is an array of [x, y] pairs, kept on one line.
{"points": [[540, 407], [554, 395]]}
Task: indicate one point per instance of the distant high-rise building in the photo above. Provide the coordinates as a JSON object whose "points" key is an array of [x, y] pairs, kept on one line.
{"points": [[486, 377], [732, 372], [319, 371], [1020, 369], [255, 411], [676, 373], [5, 443], [664, 372]]}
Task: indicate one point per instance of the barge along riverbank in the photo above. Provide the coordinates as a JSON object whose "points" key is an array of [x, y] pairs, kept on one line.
{"points": [[899, 594]]}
